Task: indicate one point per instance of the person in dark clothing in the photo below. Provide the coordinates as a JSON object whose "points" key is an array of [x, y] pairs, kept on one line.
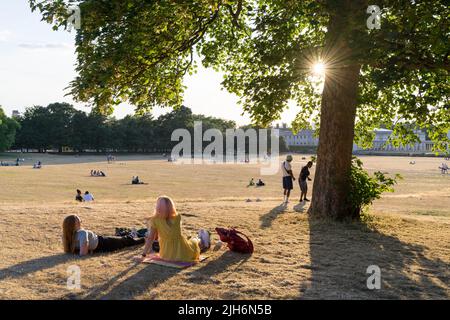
{"points": [[304, 175], [136, 180], [79, 197], [260, 183]]}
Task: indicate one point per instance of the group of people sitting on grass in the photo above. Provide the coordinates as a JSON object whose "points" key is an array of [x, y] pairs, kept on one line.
{"points": [[136, 180], [86, 197], [164, 226], [37, 165], [97, 173], [259, 183], [9, 164]]}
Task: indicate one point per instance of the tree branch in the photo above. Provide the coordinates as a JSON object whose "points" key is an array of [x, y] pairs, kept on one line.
{"points": [[235, 15]]}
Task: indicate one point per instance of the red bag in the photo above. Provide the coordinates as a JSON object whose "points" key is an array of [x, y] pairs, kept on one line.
{"points": [[235, 242]]}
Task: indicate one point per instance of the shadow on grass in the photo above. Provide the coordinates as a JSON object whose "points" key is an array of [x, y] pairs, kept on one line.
{"points": [[269, 217], [38, 264], [341, 253], [300, 207], [151, 275], [219, 265]]}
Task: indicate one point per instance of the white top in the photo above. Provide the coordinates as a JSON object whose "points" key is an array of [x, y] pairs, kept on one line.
{"points": [[86, 237], [88, 197], [285, 166]]}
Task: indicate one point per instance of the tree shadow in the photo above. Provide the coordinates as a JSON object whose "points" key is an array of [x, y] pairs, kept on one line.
{"points": [[217, 266], [153, 275], [341, 253], [269, 217], [39, 264]]}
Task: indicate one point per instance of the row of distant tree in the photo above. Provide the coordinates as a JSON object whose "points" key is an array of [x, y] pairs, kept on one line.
{"points": [[8, 128], [60, 126]]}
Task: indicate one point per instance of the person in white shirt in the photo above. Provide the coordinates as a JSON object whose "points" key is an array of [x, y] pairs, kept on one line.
{"points": [[77, 240], [88, 197], [288, 177]]}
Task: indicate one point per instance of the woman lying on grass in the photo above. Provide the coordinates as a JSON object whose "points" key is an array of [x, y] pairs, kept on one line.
{"points": [[79, 240], [165, 225]]}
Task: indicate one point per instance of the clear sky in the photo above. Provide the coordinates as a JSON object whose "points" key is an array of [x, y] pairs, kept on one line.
{"points": [[37, 64]]}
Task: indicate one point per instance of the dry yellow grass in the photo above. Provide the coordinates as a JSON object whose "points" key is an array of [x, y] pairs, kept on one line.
{"points": [[294, 257]]}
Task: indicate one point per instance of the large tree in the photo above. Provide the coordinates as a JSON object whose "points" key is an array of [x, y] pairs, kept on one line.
{"points": [[139, 50], [60, 129], [35, 129], [8, 127]]}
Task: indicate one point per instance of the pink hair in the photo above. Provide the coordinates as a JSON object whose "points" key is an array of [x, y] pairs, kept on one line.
{"points": [[165, 208]]}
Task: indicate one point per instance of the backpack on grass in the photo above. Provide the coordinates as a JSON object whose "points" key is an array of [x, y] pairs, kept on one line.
{"points": [[235, 241]]}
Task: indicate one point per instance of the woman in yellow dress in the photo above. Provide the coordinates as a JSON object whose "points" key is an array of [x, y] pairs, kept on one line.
{"points": [[165, 225]]}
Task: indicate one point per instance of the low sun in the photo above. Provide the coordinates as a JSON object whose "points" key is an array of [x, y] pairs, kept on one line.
{"points": [[318, 69]]}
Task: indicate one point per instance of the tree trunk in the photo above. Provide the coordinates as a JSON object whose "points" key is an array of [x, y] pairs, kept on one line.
{"points": [[338, 110]]}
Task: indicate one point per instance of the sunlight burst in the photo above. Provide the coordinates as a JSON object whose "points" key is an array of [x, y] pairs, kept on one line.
{"points": [[319, 68]]}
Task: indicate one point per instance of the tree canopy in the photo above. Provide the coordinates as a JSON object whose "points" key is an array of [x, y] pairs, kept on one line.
{"points": [[8, 127], [140, 50], [60, 125]]}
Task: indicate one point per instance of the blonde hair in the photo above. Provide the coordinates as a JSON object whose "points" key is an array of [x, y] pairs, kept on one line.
{"points": [[165, 208], [69, 232]]}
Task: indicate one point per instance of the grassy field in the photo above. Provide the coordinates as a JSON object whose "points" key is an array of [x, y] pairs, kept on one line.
{"points": [[408, 235]]}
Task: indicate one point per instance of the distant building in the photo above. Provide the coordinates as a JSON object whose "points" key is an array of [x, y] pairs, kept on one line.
{"points": [[306, 138], [66, 150], [302, 138], [380, 144], [15, 114]]}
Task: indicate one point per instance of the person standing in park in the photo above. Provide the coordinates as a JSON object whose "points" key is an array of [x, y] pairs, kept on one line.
{"points": [[304, 175], [288, 177]]}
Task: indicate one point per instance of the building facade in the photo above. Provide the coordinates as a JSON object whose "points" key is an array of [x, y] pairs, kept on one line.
{"points": [[306, 138], [380, 144], [302, 138]]}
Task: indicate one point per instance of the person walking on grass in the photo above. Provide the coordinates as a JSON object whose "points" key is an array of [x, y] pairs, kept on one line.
{"points": [[288, 177], [304, 175]]}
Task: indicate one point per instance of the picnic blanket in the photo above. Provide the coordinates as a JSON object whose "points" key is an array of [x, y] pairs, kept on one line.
{"points": [[155, 259]]}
